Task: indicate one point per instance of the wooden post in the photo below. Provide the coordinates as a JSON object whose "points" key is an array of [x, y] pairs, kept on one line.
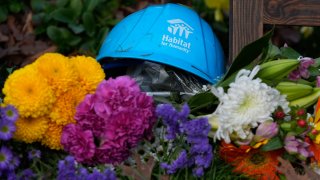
{"points": [[246, 24], [248, 16]]}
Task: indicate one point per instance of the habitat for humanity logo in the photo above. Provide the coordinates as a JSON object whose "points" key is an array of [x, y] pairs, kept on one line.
{"points": [[179, 34]]}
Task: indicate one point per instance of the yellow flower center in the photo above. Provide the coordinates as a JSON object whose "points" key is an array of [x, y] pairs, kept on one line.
{"points": [[246, 104]]}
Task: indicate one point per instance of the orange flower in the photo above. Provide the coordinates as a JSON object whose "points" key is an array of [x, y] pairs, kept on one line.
{"points": [[229, 152], [315, 148], [254, 163]]}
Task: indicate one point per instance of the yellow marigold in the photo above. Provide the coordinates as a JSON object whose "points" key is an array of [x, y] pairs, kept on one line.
{"points": [[64, 109], [52, 137], [30, 130], [58, 71], [90, 72], [28, 92]]}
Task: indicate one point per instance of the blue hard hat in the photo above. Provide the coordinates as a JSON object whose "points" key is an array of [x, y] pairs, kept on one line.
{"points": [[169, 34]]}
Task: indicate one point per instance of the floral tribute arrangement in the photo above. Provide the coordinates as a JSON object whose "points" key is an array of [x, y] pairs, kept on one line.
{"points": [[61, 119]]}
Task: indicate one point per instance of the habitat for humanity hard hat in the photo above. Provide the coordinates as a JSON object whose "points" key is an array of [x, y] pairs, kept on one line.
{"points": [[170, 34]]}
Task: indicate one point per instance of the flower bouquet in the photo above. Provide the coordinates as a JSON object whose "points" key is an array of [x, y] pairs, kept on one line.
{"points": [[61, 119]]}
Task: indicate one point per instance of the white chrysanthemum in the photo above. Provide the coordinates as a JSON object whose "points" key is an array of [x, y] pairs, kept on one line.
{"points": [[247, 103]]}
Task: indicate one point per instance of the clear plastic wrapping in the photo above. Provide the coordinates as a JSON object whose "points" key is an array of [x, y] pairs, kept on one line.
{"points": [[161, 80]]}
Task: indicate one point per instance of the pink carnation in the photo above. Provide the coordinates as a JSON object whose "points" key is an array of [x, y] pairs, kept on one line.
{"points": [[78, 142], [119, 115]]}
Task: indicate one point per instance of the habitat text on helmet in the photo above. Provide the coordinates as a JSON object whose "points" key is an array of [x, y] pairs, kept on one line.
{"points": [[169, 34]]}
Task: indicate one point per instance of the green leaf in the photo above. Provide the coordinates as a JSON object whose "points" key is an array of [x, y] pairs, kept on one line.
{"points": [[91, 4], [62, 3], [202, 103], [65, 15], [3, 14], [76, 28], [89, 23], [74, 40], [58, 34], [317, 62], [38, 5], [289, 53], [232, 77], [10, 70], [15, 6], [200, 99], [298, 130], [272, 52], [38, 18], [248, 54], [76, 6], [273, 144], [314, 71], [62, 36]]}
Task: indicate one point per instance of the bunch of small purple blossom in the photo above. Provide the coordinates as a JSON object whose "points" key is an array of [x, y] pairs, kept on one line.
{"points": [[8, 160], [8, 163], [70, 169], [199, 153], [8, 117], [110, 122]]}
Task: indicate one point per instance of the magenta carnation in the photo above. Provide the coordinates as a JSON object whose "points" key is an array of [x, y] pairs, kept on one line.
{"points": [[119, 115], [78, 142]]}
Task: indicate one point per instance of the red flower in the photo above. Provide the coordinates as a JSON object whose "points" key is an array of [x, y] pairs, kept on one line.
{"points": [[253, 163]]}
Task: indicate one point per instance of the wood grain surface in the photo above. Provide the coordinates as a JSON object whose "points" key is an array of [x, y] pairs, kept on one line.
{"points": [[292, 12], [247, 18]]}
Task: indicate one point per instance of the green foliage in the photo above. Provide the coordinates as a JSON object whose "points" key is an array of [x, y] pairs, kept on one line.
{"points": [[246, 58], [75, 25], [5, 71], [9, 6]]}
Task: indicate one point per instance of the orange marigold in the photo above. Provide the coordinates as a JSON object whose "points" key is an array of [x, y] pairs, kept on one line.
{"points": [[28, 92], [58, 71], [90, 72], [64, 109], [30, 130], [52, 137]]}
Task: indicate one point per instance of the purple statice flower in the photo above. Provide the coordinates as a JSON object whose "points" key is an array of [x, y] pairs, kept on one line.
{"points": [[302, 70], [294, 145], [82, 173], [197, 136], [109, 174], [34, 154], [196, 132], [9, 113], [181, 162], [266, 130], [67, 168], [5, 158], [95, 175], [27, 174], [171, 118], [7, 128]]}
